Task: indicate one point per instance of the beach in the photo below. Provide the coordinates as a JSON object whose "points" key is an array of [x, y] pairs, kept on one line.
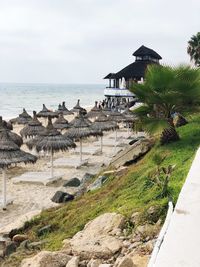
{"points": [[30, 199]]}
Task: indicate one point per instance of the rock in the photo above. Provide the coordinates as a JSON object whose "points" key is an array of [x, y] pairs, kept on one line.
{"points": [[61, 197], [97, 183], [94, 263], [140, 261], [44, 230], [73, 262], [10, 248], [147, 231], [95, 241], [135, 218], [131, 153], [19, 238], [124, 262], [47, 259], [87, 177], [74, 182], [24, 244], [36, 245]]}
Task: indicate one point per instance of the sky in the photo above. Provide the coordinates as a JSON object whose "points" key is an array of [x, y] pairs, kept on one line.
{"points": [[81, 41]]}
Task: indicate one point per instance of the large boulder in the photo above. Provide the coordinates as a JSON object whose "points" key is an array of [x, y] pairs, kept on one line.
{"points": [[61, 197], [124, 262], [131, 153], [74, 182], [47, 259], [96, 240], [73, 262]]}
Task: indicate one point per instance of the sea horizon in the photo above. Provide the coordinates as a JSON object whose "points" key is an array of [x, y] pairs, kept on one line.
{"points": [[16, 96]]}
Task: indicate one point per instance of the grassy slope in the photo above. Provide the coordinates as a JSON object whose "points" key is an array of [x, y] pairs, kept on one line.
{"points": [[125, 194]]}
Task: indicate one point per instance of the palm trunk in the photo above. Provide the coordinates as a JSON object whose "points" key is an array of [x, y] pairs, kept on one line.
{"points": [[169, 134]]}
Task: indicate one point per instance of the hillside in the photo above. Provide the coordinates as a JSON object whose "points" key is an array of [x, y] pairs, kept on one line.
{"points": [[133, 191]]}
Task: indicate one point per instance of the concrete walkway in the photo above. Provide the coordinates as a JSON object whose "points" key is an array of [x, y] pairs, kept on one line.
{"points": [[181, 245]]}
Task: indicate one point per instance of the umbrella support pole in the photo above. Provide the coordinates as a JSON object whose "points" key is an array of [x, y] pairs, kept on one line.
{"points": [[4, 189], [81, 158], [115, 140], [51, 164], [101, 149]]}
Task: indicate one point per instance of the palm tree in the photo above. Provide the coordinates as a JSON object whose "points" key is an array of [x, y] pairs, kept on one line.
{"points": [[193, 49], [166, 90]]}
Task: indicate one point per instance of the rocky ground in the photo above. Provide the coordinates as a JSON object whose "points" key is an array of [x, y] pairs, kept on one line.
{"points": [[107, 241]]}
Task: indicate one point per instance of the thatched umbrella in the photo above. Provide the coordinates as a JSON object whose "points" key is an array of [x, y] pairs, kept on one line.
{"points": [[77, 107], [80, 130], [129, 118], [65, 111], [45, 113], [107, 110], [14, 137], [51, 140], [23, 118], [117, 117], [10, 154], [71, 123], [102, 123], [61, 123], [94, 112], [33, 128], [8, 125]]}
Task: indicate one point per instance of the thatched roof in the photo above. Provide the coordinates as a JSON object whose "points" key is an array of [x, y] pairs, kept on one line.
{"points": [[107, 110], [129, 116], [61, 123], [33, 128], [77, 107], [102, 123], [8, 125], [45, 112], [145, 51], [10, 153], [116, 116], [110, 76], [51, 140], [23, 118], [65, 110], [14, 137], [94, 112], [81, 128]]}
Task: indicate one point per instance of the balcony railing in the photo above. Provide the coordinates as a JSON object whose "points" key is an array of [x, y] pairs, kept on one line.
{"points": [[109, 91]]}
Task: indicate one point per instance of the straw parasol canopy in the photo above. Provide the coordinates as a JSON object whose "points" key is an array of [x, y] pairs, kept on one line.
{"points": [[62, 109], [45, 113], [14, 137], [71, 123], [94, 112], [33, 128], [102, 123], [129, 116], [51, 140], [8, 125], [23, 118], [81, 129], [77, 107], [116, 116], [10, 153], [61, 123], [107, 110]]}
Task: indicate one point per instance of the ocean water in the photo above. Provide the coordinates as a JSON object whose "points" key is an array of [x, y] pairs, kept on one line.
{"points": [[14, 97]]}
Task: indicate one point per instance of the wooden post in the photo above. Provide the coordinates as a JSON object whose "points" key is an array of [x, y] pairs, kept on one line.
{"points": [[51, 163], [81, 151], [4, 189]]}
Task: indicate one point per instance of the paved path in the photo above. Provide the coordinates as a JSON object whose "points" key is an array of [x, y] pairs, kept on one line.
{"points": [[181, 245]]}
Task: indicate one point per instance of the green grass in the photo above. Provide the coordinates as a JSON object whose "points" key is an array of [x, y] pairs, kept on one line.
{"points": [[123, 194]]}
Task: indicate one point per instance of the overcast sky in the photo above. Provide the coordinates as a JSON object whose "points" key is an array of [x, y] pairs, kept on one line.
{"points": [[80, 41]]}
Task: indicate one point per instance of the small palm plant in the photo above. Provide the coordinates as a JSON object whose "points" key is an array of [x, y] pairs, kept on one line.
{"points": [[166, 90], [193, 49]]}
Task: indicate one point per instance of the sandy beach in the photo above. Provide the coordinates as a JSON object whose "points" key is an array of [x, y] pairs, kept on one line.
{"points": [[29, 198]]}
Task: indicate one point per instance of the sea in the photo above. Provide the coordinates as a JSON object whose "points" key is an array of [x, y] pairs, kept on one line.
{"points": [[16, 96]]}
